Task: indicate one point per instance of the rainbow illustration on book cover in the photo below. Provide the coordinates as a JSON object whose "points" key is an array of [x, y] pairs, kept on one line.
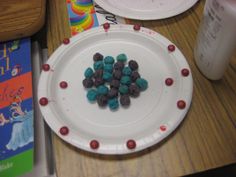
{"points": [[82, 15], [16, 108]]}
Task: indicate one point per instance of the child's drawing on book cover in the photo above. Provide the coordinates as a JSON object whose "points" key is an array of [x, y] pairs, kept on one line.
{"points": [[22, 130]]}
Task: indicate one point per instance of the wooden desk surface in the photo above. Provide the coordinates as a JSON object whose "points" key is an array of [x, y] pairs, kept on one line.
{"points": [[21, 18], [206, 139]]}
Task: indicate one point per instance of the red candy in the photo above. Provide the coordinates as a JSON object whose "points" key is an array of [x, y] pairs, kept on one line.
{"points": [[94, 144], [185, 72], [137, 27], [63, 84], [106, 26], [43, 101], [181, 104], [66, 41], [171, 48], [163, 128], [64, 130], [169, 81], [131, 144], [46, 67]]}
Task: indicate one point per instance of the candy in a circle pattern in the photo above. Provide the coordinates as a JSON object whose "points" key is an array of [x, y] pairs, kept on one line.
{"points": [[102, 100], [125, 100], [122, 58], [88, 72], [113, 103], [127, 71], [88, 83], [142, 83], [133, 65], [119, 65], [111, 83], [109, 60], [92, 95], [97, 57]]}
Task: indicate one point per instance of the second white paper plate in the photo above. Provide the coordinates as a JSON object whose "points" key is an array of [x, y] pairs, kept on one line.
{"points": [[146, 9]]}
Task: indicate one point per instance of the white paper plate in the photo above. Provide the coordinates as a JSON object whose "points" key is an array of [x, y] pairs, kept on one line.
{"points": [[150, 118], [146, 9]]}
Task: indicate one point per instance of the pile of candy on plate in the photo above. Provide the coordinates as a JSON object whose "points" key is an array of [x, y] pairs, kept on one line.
{"points": [[111, 82]]}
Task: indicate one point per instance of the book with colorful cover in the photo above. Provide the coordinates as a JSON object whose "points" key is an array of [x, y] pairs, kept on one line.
{"points": [[16, 108]]}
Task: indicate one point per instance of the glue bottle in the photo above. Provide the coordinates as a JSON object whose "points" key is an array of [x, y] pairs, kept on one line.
{"points": [[216, 40]]}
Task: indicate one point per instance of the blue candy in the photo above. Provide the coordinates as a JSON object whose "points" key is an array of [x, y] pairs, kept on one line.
{"points": [[123, 89], [126, 80], [108, 68], [98, 65], [88, 72], [107, 76], [127, 71], [142, 84], [122, 57], [109, 60], [113, 103], [102, 90], [92, 95]]}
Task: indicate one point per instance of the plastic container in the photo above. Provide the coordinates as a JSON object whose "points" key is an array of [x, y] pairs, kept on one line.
{"points": [[216, 40]]}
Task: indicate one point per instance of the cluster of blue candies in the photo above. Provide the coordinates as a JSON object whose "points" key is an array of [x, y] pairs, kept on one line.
{"points": [[112, 82]]}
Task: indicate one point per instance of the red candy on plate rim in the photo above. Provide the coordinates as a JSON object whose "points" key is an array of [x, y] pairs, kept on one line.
{"points": [[94, 144], [163, 128], [185, 72], [137, 27], [66, 41], [169, 81], [46, 67], [131, 144], [43, 101], [181, 104], [106, 26], [171, 48], [63, 84], [64, 130]]}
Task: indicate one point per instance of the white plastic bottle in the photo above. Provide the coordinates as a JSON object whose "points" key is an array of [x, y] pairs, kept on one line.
{"points": [[216, 40]]}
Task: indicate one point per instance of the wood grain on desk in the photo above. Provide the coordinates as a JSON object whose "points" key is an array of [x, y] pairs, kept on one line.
{"points": [[204, 140]]}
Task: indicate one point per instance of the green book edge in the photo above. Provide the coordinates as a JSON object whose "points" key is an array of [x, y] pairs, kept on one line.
{"points": [[17, 165]]}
